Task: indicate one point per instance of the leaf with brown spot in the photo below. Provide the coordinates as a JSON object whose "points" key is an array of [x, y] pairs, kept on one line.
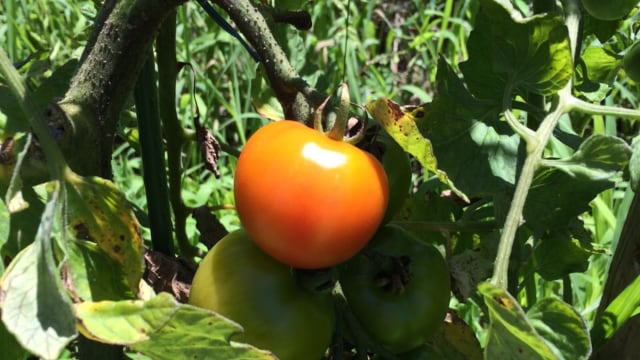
{"points": [[474, 147], [401, 126], [162, 328], [509, 328], [97, 210]]}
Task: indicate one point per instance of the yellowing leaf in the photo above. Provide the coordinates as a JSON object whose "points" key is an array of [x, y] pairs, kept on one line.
{"points": [[511, 335], [401, 125], [162, 328], [98, 211]]}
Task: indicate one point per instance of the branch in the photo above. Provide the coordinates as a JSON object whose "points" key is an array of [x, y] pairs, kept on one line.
{"points": [[297, 97], [117, 49]]}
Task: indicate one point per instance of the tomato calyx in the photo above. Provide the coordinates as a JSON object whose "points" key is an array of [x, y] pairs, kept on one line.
{"points": [[395, 272], [343, 124]]}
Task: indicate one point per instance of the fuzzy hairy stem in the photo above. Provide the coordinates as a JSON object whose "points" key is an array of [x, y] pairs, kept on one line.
{"points": [[297, 97], [110, 65], [536, 144]]}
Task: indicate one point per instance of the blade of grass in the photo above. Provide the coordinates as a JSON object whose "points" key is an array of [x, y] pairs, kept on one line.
{"points": [[154, 174]]}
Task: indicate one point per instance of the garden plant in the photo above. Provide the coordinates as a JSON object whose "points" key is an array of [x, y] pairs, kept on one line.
{"points": [[342, 179]]}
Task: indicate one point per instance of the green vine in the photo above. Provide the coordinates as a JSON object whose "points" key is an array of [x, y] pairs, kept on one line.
{"points": [[537, 142]]}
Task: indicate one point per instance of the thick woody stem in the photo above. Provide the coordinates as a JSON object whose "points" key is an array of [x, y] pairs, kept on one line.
{"points": [[110, 65], [296, 96]]}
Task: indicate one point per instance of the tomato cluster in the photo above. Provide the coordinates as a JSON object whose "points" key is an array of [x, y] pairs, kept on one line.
{"points": [[307, 201]]}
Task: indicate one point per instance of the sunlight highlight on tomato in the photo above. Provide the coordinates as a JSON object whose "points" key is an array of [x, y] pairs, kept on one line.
{"points": [[305, 199]]}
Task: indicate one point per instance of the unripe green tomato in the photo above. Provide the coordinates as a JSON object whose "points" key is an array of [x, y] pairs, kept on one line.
{"points": [[238, 280], [631, 62], [609, 9], [398, 289]]}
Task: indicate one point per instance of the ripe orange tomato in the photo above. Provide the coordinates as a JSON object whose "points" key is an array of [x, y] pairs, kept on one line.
{"points": [[307, 200]]}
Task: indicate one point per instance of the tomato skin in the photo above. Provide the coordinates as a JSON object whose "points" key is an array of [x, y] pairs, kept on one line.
{"points": [[398, 169], [399, 321], [238, 280], [610, 9], [305, 199]]}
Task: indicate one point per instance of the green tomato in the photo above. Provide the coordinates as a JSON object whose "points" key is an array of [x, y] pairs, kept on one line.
{"points": [[631, 62], [609, 9], [236, 279], [398, 288], [398, 169]]}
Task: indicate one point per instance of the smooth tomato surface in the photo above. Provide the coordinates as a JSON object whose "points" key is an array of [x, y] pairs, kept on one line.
{"points": [[238, 280], [400, 306], [305, 199]]}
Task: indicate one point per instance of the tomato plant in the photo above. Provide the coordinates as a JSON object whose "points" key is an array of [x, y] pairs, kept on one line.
{"points": [[239, 281], [398, 288], [398, 169], [305, 199], [523, 137], [609, 10]]}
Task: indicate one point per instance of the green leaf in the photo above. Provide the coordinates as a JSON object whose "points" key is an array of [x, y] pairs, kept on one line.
{"points": [[11, 349], [263, 98], [509, 54], [563, 251], [556, 197], [468, 269], [601, 65], [510, 335], [621, 309], [10, 106], [565, 189], [98, 211], [164, 329], [600, 157], [55, 85], [51, 88], [291, 4], [23, 224], [455, 340], [93, 276], [562, 327], [479, 153], [35, 307], [602, 29]]}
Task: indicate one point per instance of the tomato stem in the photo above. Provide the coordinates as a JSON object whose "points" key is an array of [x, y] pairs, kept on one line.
{"points": [[596, 109], [342, 115], [535, 150], [317, 116]]}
